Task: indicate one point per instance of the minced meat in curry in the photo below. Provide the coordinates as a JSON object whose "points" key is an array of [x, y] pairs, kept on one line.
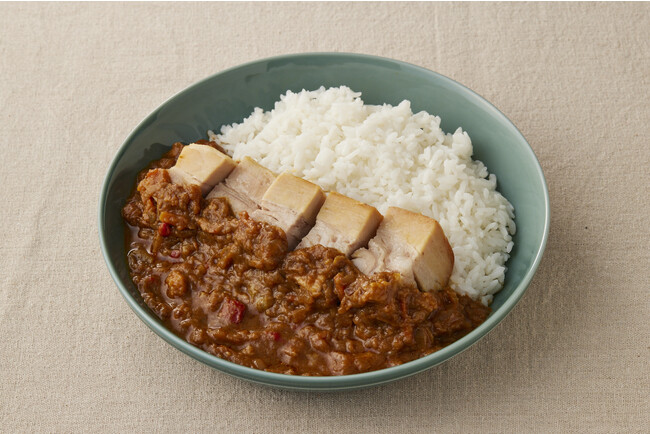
{"points": [[230, 286]]}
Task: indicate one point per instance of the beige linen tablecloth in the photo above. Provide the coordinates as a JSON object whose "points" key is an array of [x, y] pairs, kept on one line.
{"points": [[77, 78]]}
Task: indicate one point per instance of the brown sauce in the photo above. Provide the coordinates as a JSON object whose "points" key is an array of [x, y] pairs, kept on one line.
{"points": [[230, 286]]}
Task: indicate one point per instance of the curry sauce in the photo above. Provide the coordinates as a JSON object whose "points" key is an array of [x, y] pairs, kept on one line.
{"points": [[230, 285]]}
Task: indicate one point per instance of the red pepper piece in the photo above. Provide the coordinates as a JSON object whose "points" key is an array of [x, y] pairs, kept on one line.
{"points": [[232, 310], [164, 229], [275, 336]]}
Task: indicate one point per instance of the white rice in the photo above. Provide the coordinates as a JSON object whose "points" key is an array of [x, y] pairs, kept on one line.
{"points": [[388, 156]]}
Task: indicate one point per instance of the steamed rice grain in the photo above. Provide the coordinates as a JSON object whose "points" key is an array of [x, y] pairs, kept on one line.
{"points": [[385, 156]]}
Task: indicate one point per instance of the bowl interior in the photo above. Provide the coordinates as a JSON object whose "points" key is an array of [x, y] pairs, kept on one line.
{"points": [[232, 95]]}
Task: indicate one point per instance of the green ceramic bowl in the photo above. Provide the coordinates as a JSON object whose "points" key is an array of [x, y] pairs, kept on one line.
{"points": [[231, 95]]}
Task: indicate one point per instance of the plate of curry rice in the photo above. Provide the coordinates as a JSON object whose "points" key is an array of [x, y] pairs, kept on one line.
{"points": [[324, 221]]}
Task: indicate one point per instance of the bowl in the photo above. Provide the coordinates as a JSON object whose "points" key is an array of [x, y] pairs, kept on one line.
{"points": [[231, 95]]}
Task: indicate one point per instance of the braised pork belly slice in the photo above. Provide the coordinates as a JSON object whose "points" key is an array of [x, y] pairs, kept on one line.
{"points": [[245, 186], [344, 224], [252, 178], [290, 203], [413, 245], [202, 165]]}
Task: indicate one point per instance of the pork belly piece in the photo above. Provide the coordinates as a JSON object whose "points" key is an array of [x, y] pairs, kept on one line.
{"points": [[252, 178], [238, 201], [245, 186], [413, 245], [291, 203], [179, 176], [344, 224], [203, 164]]}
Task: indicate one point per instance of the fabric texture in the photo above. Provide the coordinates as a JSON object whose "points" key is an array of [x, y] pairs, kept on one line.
{"points": [[77, 78]]}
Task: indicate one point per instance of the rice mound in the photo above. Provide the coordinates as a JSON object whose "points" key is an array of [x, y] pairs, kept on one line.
{"points": [[388, 156]]}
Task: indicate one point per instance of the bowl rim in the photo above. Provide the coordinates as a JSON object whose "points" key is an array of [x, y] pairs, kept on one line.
{"points": [[323, 383]]}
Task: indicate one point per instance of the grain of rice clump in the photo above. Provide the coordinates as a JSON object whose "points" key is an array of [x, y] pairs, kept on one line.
{"points": [[383, 156]]}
